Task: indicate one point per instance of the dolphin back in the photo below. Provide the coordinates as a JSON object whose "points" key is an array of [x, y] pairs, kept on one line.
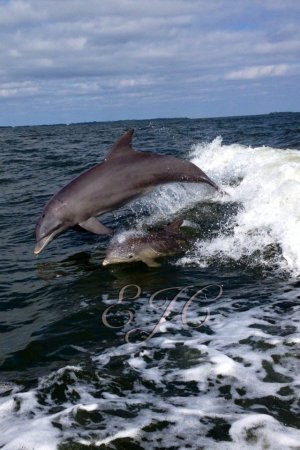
{"points": [[171, 169]]}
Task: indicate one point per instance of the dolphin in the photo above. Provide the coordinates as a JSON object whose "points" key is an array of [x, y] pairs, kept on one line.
{"points": [[124, 175], [146, 247]]}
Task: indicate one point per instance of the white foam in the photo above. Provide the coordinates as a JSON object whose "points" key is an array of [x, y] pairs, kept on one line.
{"points": [[229, 358], [265, 182], [130, 432], [18, 432], [123, 236], [6, 387], [263, 431]]}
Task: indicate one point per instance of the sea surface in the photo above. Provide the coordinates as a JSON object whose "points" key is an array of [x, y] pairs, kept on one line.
{"points": [[200, 353]]}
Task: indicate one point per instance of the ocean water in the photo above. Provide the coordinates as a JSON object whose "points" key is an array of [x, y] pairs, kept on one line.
{"points": [[201, 353]]}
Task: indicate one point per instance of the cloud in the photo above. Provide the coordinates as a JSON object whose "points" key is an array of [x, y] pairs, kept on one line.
{"points": [[251, 73], [169, 50], [23, 89], [18, 11], [291, 46]]}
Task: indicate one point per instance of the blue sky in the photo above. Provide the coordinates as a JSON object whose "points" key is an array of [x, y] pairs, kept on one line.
{"points": [[76, 61]]}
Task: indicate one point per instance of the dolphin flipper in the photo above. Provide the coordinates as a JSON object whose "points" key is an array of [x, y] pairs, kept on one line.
{"points": [[150, 262], [93, 225]]}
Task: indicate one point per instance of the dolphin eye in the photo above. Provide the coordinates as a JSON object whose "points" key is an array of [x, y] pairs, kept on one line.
{"points": [[130, 255]]}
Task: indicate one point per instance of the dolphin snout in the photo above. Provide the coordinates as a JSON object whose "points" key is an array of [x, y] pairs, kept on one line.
{"points": [[37, 249], [41, 244]]}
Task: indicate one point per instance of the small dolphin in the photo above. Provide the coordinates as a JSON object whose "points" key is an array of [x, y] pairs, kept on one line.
{"points": [[146, 247], [125, 174]]}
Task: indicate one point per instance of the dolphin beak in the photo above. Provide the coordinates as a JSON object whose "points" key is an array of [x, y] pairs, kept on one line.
{"points": [[42, 244]]}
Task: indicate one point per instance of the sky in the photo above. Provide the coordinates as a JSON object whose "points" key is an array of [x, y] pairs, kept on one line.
{"points": [[64, 61]]}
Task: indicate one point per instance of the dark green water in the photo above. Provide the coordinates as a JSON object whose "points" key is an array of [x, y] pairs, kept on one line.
{"points": [[224, 376]]}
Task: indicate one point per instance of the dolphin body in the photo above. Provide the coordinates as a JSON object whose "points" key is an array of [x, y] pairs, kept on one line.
{"points": [[146, 247], [124, 175]]}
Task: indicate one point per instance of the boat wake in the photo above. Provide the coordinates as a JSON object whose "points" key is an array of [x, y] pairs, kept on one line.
{"points": [[258, 223]]}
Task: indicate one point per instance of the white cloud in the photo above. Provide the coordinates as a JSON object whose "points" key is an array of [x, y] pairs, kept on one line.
{"points": [[292, 46], [251, 73], [133, 82], [24, 89], [144, 49], [17, 11]]}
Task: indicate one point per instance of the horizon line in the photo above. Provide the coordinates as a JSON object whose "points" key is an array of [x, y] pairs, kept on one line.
{"points": [[147, 119]]}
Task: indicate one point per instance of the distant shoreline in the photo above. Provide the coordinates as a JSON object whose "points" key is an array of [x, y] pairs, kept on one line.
{"points": [[152, 119]]}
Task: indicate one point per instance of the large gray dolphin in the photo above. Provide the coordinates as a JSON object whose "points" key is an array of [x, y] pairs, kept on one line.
{"points": [[124, 175]]}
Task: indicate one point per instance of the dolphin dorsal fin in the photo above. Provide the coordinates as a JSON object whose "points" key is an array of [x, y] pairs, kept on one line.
{"points": [[122, 146], [174, 226]]}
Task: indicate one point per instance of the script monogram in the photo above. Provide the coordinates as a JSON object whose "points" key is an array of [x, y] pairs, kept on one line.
{"points": [[168, 307]]}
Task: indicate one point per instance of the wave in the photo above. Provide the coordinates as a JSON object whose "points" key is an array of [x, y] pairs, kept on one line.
{"points": [[264, 185], [228, 387]]}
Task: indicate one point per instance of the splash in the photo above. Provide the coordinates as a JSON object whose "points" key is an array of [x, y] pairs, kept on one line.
{"points": [[265, 184]]}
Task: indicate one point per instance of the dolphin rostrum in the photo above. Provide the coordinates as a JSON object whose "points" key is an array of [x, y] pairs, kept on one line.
{"points": [[133, 246], [125, 174]]}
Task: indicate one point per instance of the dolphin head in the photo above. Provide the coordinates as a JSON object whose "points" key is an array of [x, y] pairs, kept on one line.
{"points": [[125, 248], [48, 226]]}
